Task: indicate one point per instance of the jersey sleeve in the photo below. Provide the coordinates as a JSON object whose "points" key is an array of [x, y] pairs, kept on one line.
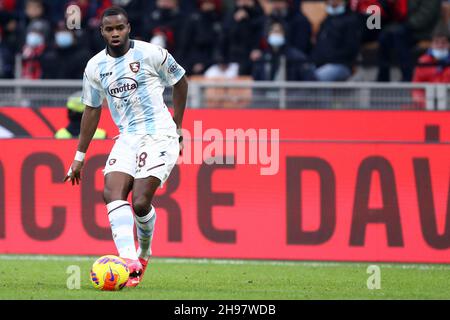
{"points": [[168, 69], [93, 94]]}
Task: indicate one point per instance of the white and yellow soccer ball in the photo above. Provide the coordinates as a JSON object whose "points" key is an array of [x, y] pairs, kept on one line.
{"points": [[109, 273]]}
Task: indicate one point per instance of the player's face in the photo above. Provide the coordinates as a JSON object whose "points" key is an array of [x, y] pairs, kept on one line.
{"points": [[115, 30]]}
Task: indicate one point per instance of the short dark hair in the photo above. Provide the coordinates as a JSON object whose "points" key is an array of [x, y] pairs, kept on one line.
{"points": [[114, 11]]}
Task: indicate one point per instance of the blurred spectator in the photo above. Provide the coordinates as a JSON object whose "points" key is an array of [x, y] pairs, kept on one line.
{"points": [[67, 49], [34, 12], [87, 10], [164, 38], [166, 20], [411, 22], [280, 61], [338, 43], [91, 13], [6, 60], [186, 6], [8, 6], [75, 110], [55, 10], [52, 10], [35, 51], [228, 6], [434, 65], [243, 30], [200, 40], [298, 27], [223, 69], [136, 10], [361, 7], [82, 35], [446, 12], [91, 19], [8, 38]]}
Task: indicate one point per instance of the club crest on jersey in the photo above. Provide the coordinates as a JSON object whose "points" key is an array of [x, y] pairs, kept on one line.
{"points": [[135, 66]]}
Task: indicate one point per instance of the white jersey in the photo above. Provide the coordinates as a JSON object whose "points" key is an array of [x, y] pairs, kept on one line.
{"points": [[133, 85]]}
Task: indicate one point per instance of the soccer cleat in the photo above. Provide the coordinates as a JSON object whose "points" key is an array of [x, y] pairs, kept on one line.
{"points": [[135, 268], [144, 265]]}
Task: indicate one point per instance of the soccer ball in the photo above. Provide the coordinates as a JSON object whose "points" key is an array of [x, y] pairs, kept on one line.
{"points": [[109, 273]]}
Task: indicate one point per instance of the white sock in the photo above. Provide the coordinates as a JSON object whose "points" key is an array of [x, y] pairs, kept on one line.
{"points": [[121, 219], [144, 228]]}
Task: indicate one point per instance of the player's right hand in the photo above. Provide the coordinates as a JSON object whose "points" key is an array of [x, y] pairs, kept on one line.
{"points": [[74, 174], [180, 141]]}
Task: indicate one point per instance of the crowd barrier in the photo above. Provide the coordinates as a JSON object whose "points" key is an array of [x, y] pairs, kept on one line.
{"points": [[243, 92]]}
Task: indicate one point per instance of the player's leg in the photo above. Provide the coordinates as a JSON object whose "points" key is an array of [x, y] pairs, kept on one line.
{"points": [[119, 177], [117, 187], [145, 215], [156, 159]]}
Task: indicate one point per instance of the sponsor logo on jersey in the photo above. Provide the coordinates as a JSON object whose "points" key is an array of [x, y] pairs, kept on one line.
{"points": [[123, 87], [112, 162], [135, 66]]}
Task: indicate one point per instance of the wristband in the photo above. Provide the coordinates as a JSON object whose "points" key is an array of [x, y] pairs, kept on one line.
{"points": [[180, 135], [79, 156]]}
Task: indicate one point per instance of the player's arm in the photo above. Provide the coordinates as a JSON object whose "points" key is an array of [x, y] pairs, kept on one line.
{"points": [[89, 123], [180, 90]]}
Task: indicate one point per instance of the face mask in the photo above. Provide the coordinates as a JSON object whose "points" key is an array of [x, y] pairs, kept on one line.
{"points": [[334, 11], [34, 39], [439, 54], [63, 39], [159, 41], [276, 40]]}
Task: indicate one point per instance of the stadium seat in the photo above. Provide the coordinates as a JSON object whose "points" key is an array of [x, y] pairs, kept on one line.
{"points": [[229, 98]]}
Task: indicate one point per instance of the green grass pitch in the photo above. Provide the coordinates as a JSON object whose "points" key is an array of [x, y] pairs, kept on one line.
{"points": [[45, 277]]}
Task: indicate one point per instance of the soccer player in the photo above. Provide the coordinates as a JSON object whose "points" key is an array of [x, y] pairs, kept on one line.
{"points": [[132, 75]]}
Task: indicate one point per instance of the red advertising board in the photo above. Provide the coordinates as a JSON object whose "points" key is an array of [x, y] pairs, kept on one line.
{"points": [[310, 125], [342, 201]]}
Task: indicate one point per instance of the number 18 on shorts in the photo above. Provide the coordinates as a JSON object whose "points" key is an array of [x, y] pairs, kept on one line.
{"points": [[142, 156]]}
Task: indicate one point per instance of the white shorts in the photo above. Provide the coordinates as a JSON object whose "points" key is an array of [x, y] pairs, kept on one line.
{"points": [[142, 156]]}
